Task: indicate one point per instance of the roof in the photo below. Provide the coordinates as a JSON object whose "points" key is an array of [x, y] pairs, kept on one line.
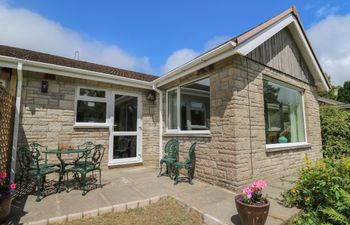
{"points": [[62, 61], [249, 40], [255, 30], [329, 101]]}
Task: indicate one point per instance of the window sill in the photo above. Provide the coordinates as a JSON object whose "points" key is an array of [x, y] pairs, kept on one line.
{"points": [[286, 147], [90, 125], [205, 133]]}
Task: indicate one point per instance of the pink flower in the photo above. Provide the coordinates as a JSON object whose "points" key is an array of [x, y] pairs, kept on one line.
{"points": [[249, 192], [13, 186], [2, 175], [258, 185]]}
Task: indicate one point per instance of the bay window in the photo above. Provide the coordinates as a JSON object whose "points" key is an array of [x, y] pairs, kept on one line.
{"points": [[91, 106], [284, 114], [188, 106]]}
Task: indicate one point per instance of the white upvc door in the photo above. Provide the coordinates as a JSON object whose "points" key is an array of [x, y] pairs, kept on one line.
{"points": [[125, 129]]}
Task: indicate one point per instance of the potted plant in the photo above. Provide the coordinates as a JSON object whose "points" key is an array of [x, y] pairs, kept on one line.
{"points": [[252, 207], [5, 196]]}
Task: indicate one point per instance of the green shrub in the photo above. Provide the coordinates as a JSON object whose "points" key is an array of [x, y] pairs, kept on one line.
{"points": [[335, 129], [322, 191]]}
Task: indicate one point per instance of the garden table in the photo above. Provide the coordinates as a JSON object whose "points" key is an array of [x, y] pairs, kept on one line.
{"points": [[79, 152]]}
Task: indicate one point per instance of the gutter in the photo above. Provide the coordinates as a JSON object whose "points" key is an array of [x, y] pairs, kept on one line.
{"points": [[41, 67], [210, 57], [160, 121], [16, 122]]}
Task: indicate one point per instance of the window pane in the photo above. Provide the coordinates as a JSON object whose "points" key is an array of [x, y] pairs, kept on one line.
{"points": [[125, 113], [91, 112], [284, 121], [124, 147], [172, 109], [195, 105], [92, 93]]}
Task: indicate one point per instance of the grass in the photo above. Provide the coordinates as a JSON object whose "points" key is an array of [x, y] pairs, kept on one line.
{"points": [[164, 212]]}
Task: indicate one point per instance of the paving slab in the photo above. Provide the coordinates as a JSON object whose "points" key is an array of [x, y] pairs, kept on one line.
{"points": [[137, 184]]}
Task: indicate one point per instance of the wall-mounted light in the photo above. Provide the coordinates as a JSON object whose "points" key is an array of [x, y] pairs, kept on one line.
{"points": [[44, 86], [151, 96]]}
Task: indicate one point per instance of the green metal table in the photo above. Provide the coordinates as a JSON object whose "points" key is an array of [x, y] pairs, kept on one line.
{"points": [[59, 154]]}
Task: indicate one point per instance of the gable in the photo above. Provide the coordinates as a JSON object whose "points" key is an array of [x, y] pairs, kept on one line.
{"points": [[281, 53]]}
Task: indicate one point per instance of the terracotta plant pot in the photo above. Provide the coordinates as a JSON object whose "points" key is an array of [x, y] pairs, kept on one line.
{"points": [[5, 208], [251, 214]]}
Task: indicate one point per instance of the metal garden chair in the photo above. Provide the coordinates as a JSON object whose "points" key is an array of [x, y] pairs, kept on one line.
{"points": [[188, 165], [33, 165], [87, 164], [171, 151]]}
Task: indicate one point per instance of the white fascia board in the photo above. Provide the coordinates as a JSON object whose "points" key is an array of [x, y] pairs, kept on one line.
{"points": [[11, 65], [74, 72], [310, 60], [253, 42], [202, 61]]}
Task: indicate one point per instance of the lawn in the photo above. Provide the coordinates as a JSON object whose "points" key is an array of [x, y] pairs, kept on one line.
{"points": [[164, 212]]}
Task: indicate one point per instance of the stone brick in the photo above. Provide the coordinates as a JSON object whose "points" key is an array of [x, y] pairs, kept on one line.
{"points": [[132, 205], [119, 208], [59, 219], [90, 213], [105, 210], [75, 216]]}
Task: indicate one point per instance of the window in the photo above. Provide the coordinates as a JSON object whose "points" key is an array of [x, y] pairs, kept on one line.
{"points": [[189, 106], [91, 106], [284, 118]]}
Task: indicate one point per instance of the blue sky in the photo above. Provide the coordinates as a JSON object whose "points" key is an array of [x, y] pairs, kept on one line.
{"points": [[150, 36]]}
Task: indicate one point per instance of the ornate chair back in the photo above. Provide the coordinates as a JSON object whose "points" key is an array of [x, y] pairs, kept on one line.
{"points": [[191, 153], [172, 148], [97, 155], [30, 156]]}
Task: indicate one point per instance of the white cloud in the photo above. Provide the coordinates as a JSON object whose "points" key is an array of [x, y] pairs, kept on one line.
{"points": [[178, 58], [215, 41], [327, 10], [184, 55], [25, 29], [330, 39]]}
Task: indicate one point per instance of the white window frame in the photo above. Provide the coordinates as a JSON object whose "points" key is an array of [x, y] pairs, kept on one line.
{"points": [[178, 111], [287, 146], [92, 99]]}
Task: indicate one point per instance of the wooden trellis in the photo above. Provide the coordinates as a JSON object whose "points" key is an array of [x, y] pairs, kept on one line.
{"points": [[7, 106]]}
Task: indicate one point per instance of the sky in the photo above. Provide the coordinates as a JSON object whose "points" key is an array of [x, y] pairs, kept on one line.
{"points": [[158, 35]]}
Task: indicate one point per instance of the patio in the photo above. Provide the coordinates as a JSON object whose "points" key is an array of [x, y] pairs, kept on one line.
{"points": [[137, 183]]}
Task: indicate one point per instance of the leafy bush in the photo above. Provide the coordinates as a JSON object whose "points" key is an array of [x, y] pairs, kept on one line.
{"points": [[322, 191], [335, 129]]}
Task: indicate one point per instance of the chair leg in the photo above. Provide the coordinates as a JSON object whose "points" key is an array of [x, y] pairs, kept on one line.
{"points": [[160, 169], [38, 188], [176, 178], [99, 171], [66, 182], [83, 177], [170, 170], [189, 172]]}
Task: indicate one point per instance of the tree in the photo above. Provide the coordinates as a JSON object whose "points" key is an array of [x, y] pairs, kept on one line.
{"points": [[344, 93]]}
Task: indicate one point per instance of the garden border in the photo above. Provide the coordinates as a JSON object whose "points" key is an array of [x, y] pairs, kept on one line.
{"points": [[123, 207]]}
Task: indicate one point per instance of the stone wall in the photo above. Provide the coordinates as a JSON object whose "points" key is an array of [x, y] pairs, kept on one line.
{"points": [[48, 118], [235, 152]]}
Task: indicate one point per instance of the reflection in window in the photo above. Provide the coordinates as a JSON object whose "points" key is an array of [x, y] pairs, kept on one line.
{"points": [[92, 93], [91, 112], [125, 113], [172, 109], [194, 106], [91, 106], [284, 121], [124, 147]]}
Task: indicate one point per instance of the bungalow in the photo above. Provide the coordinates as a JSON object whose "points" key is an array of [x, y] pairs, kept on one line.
{"points": [[250, 104]]}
